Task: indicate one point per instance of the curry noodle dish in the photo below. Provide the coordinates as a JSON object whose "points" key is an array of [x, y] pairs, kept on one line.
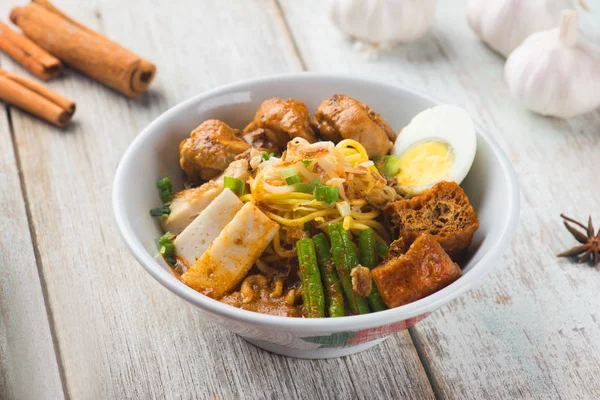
{"points": [[333, 216]]}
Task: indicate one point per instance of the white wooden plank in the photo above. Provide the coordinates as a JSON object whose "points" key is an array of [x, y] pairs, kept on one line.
{"points": [[121, 335], [28, 366], [531, 330]]}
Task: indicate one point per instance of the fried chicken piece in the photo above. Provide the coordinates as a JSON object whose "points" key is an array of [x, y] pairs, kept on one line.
{"points": [[209, 150], [443, 211], [258, 139], [281, 121], [342, 117], [423, 270]]}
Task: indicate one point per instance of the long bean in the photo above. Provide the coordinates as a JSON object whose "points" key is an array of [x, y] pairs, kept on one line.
{"points": [[345, 259], [368, 258], [314, 299], [382, 250], [334, 298]]}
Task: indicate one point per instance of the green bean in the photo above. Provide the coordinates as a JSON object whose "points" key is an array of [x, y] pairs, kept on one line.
{"points": [[345, 259], [368, 258], [366, 248], [314, 299], [334, 297], [382, 250]]}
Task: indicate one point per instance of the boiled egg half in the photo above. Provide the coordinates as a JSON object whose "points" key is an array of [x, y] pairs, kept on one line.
{"points": [[439, 144]]}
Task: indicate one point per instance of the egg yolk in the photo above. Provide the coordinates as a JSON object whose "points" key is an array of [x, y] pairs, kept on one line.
{"points": [[424, 163]]}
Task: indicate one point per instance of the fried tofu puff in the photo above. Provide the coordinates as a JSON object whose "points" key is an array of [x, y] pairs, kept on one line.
{"points": [[424, 269]]}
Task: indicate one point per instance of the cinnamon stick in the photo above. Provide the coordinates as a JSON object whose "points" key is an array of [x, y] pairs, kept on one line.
{"points": [[84, 49], [35, 98], [37, 60]]}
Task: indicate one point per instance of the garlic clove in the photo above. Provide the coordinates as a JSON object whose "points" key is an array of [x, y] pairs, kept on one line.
{"points": [[504, 24], [553, 74], [382, 22]]}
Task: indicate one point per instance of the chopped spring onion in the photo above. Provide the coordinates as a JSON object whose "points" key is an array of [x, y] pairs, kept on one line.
{"points": [[387, 165], [165, 189], [167, 248], [266, 156], [308, 187], [344, 208], [306, 162], [236, 185], [160, 211], [307, 227], [288, 171], [292, 180], [327, 194], [381, 249]]}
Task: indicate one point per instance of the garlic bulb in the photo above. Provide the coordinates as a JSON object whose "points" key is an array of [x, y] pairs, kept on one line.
{"points": [[504, 24], [382, 22], [588, 12], [552, 73]]}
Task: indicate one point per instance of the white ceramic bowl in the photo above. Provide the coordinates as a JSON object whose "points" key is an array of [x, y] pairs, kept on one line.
{"points": [[491, 187]]}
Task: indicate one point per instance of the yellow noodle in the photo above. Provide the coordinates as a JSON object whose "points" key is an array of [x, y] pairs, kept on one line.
{"points": [[358, 202], [300, 221], [376, 226], [370, 186], [273, 258], [356, 228], [292, 195], [347, 151], [354, 144], [293, 202], [365, 215], [347, 222], [280, 250], [355, 158]]}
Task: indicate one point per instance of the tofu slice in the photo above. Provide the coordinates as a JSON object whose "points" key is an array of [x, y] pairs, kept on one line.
{"points": [[197, 236], [187, 204], [231, 255], [239, 169]]}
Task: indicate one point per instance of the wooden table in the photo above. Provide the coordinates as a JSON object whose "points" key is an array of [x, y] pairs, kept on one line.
{"points": [[80, 319]]}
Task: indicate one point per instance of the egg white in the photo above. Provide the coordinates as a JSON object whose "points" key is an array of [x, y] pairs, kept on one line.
{"points": [[445, 123]]}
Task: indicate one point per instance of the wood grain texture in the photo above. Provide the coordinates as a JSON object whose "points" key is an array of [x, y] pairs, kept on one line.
{"points": [[121, 335], [532, 329], [28, 366]]}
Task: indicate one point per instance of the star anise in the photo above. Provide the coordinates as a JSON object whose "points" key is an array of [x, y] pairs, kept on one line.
{"points": [[590, 244]]}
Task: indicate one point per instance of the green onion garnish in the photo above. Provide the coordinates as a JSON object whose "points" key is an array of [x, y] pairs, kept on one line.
{"points": [[306, 162], [388, 166], [165, 189], [167, 248], [288, 171], [292, 180], [159, 211], [266, 156], [327, 194], [290, 174], [381, 249], [308, 187], [236, 185]]}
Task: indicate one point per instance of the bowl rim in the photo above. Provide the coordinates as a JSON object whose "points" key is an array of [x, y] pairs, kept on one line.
{"points": [[308, 325]]}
